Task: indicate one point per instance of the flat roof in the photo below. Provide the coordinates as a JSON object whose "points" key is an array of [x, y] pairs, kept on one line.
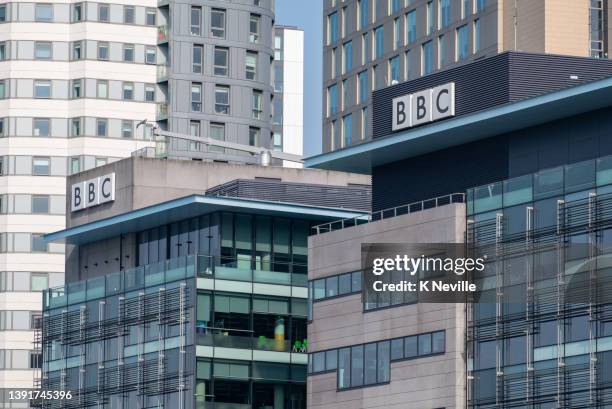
{"points": [[187, 207], [361, 158]]}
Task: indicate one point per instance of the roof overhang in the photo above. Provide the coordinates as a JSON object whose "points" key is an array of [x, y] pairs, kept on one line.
{"points": [[187, 207], [545, 108]]}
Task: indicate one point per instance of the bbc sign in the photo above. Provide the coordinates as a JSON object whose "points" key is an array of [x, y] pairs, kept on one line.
{"points": [[93, 192], [424, 106]]}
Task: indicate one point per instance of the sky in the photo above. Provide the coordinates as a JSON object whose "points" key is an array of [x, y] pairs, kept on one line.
{"points": [[307, 15]]}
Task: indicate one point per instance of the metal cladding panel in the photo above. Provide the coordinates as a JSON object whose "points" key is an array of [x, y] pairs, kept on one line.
{"points": [[357, 197], [494, 81]]}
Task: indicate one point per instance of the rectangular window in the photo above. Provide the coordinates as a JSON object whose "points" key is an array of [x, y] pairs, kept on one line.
{"points": [[38, 243], [196, 97], [217, 23], [1, 134], [3, 13], [196, 21], [476, 35], [441, 51], [396, 5], [332, 28], [42, 126], [278, 47], [411, 33], [365, 46], [254, 134], [347, 130], [394, 70], [363, 10], [332, 99], [3, 53], [75, 127], [344, 368], [251, 65], [379, 42], [43, 50], [128, 14], [44, 12], [194, 128], [408, 65], [254, 27], [222, 100], [480, 5], [149, 93], [40, 205], [75, 165], [347, 56], [101, 162], [463, 48], [77, 12], [397, 33], [151, 17], [103, 13], [127, 128], [197, 53], [466, 8], [102, 89], [128, 52], [102, 51], [42, 89], [430, 17], [363, 86], [277, 141], [77, 50], [128, 90], [76, 88], [221, 62], [151, 55], [257, 104], [217, 132], [101, 127], [345, 93], [427, 58], [40, 166], [357, 360], [444, 10]]}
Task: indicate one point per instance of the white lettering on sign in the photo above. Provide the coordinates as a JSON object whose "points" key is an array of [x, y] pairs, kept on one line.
{"points": [[92, 192], [423, 106]]}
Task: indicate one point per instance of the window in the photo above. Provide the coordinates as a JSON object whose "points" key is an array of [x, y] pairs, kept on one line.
{"points": [[149, 93], [196, 97], [76, 89], [150, 55], [363, 86], [278, 47], [347, 56], [217, 132], [102, 89], [101, 127], [217, 23], [3, 13], [345, 93], [254, 27], [396, 5], [332, 99], [379, 42], [257, 104], [277, 111], [103, 12], [466, 10], [363, 11], [334, 63], [77, 50], [332, 28], [441, 51], [277, 141], [42, 50], [397, 33], [1, 134], [411, 33], [128, 52], [77, 12], [427, 58], [42, 89], [102, 51], [41, 126], [38, 243], [222, 100], [347, 130], [444, 9], [251, 65], [101, 161], [75, 127], [196, 21], [128, 90], [3, 54], [254, 134], [463, 49], [128, 14], [44, 12], [151, 17], [476, 35], [430, 17], [127, 128], [394, 69], [40, 205], [221, 61], [75, 165], [365, 46], [480, 5], [197, 58], [40, 166]]}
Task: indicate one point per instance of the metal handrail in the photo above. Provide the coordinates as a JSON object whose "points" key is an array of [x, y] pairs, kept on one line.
{"points": [[390, 212]]}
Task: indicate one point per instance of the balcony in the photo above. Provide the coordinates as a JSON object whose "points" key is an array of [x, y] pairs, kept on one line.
{"points": [[162, 111], [162, 73], [162, 34]]}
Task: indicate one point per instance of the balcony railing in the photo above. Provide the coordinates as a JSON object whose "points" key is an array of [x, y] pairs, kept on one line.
{"points": [[389, 213], [223, 268]]}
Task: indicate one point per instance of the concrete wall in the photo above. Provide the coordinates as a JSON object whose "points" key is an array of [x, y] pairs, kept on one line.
{"points": [[437, 381]]}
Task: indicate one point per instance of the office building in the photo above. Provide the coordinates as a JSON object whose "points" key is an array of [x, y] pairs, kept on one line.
{"points": [[75, 79], [516, 168], [371, 44], [182, 299]]}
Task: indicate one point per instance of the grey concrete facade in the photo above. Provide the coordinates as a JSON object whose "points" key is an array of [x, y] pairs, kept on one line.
{"points": [[424, 383]]}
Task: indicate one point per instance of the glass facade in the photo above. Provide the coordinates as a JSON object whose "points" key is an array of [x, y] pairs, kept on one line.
{"points": [[540, 329]]}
